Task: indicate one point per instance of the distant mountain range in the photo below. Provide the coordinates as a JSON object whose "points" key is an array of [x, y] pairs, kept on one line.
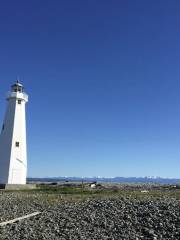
{"points": [[110, 180]]}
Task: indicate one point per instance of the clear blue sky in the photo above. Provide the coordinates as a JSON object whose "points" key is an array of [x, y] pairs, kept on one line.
{"points": [[104, 83]]}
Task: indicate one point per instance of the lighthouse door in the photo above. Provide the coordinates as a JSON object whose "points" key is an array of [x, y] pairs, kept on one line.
{"points": [[16, 176]]}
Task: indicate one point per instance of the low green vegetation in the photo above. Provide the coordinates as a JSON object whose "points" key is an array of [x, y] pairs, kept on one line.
{"points": [[80, 192]]}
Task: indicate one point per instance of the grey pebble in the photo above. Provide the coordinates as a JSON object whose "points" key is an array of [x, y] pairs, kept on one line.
{"points": [[96, 219]]}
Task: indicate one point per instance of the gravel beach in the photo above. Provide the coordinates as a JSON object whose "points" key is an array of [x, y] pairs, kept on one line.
{"points": [[110, 218]]}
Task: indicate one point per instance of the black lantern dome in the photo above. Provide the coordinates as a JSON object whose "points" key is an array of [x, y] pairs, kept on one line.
{"points": [[17, 87]]}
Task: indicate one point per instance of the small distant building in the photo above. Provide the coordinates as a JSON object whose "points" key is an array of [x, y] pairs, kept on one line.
{"points": [[93, 185], [13, 150]]}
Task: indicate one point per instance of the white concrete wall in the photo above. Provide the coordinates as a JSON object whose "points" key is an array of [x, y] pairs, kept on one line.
{"points": [[13, 160]]}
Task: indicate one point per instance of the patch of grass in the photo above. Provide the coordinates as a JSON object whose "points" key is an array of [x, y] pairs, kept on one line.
{"points": [[53, 194]]}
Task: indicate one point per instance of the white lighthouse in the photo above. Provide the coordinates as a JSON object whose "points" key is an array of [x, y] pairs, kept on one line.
{"points": [[13, 152]]}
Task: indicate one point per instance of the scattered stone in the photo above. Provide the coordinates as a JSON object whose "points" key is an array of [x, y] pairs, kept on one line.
{"points": [[96, 219]]}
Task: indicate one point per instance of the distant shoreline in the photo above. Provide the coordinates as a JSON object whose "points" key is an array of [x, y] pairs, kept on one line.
{"points": [[108, 180]]}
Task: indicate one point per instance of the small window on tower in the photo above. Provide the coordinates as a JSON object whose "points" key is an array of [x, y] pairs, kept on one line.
{"points": [[19, 101], [17, 144]]}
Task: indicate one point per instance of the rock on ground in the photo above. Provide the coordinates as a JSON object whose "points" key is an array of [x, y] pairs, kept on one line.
{"points": [[118, 218]]}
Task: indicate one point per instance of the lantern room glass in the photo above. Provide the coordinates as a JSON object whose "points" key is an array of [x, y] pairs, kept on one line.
{"points": [[17, 88]]}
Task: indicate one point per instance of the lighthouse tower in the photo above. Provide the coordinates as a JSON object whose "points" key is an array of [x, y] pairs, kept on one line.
{"points": [[13, 152]]}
